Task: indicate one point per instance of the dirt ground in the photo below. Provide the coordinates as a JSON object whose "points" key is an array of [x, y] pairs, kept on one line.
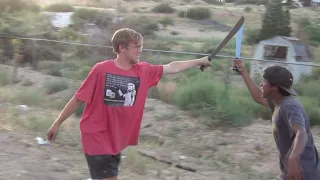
{"points": [[22, 158]]}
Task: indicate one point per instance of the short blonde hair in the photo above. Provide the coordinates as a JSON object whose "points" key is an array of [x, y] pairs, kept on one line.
{"points": [[124, 36]]}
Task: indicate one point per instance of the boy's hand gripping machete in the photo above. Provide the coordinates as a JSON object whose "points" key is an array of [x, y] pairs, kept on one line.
{"points": [[234, 30]]}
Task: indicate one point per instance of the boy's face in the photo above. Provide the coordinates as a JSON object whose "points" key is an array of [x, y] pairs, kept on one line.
{"points": [[132, 52], [266, 89]]}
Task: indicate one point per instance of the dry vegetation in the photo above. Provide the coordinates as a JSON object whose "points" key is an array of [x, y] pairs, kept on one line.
{"points": [[220, 137]]}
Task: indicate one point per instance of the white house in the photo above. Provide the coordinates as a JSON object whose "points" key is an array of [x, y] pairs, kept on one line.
{"points": [[60, 19], [315, 3], [283, 49]]}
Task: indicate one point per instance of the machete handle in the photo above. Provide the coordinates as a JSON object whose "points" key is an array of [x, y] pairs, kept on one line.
{"points": [[236, 68], [202, 67]]}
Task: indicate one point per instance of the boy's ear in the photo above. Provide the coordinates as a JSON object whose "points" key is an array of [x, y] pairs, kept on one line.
{"points": [[121, 47]]}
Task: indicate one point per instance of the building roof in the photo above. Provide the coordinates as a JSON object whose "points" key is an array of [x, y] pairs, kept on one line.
{"points": [[301, 49]]}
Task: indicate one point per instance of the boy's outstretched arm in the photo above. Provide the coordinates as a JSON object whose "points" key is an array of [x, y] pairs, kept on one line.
{"points": [[179, 66], [253, 88]]}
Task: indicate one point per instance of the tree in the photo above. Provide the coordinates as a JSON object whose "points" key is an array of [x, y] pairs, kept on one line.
{"points": [[276, 21], [286, 28]]}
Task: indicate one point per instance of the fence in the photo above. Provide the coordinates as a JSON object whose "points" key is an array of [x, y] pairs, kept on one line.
{"points": [[73, 60], [56, 56]]}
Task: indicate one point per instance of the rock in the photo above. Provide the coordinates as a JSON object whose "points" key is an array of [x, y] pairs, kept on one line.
{"points": [[56, 159], [258, 147], [58, 168], [22, 109], [146, 126], [22, 173]]}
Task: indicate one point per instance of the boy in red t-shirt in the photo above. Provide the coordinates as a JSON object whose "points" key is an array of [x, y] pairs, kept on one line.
{"points": [[115, 93]]}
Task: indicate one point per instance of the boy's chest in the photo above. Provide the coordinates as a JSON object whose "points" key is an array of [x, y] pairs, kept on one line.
{"points": [[122, 89], [280, 127]]}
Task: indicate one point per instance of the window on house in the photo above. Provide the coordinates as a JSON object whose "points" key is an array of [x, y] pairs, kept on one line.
{"points": [[298, 58], [275, 52]]}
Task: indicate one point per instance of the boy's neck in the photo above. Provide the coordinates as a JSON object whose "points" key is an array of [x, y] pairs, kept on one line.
{"points": [[278, 99], [122, 63]]}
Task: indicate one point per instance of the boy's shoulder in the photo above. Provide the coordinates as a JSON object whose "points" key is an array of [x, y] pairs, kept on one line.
{"points": [[100, 65]]}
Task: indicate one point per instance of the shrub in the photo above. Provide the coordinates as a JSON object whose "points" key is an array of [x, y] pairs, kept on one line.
{"points": [[163, 8], [27, 96], [248, 9], [205, 96], [213, 2], [39, 124], [59, 7], [253, 36], [54, 86], [313, 33], [251, 2], [174, 33], [312, 109], [166, 21], [143, 24], [196, 13], [17, 5], [82, 16], [4, 78]]}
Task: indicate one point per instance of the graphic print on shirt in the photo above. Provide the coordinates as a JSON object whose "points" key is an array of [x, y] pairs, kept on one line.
{"points": [[120, 90], [275, 130]]}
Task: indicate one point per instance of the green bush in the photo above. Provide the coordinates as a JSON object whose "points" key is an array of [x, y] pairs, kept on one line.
{"points": [[312, 108], [163, 8], [12, 6], [27, 96], [166, 21], [311, 89], [313, 33], [309, 97], [197, 13], [205, 96], [258, 2], [248, 9], [213, 2], [54, 86], [253, 36], [82, 16], [143, 24], [4, 78], [26, 23], [59, 7]]}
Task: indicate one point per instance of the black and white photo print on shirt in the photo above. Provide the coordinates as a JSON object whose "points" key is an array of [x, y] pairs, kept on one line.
{"points": [[120, 90]]}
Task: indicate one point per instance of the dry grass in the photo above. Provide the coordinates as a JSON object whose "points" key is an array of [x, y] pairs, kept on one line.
{"points": [[166, 90]]}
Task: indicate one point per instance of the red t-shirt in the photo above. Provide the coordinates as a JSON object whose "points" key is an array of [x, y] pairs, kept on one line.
{"points": [[115, 101]]}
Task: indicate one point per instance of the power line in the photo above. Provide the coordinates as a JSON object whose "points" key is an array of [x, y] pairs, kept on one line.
{"points": [[157, 50]]}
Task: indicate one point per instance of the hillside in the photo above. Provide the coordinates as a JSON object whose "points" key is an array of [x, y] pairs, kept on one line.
{"points": [[168, 133]]}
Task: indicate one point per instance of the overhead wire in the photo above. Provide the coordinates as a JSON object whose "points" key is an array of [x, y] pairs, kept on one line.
{"points": [[158, 50]]}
